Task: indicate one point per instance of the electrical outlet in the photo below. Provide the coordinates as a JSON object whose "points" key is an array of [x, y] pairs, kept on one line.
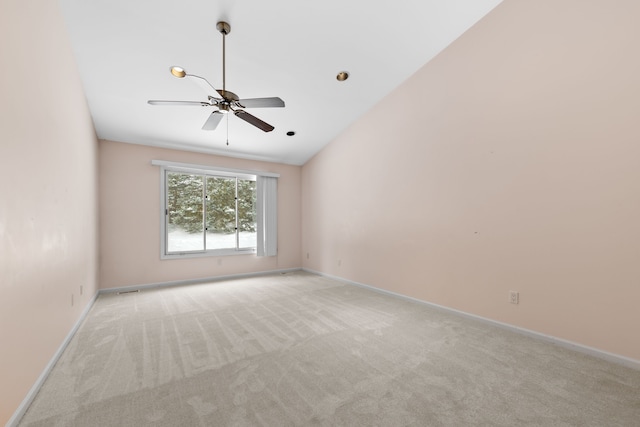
{"points": [[514, 297], [81, 289], [71, 300], [339, 262], [307, 255]]}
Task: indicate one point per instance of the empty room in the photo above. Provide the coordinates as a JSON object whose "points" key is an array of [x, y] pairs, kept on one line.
{"points": [[332, 213]]}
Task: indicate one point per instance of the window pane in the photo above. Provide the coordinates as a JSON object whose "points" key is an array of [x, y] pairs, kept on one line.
{"points": [[221, 213], [247, 225], [185, 217]]}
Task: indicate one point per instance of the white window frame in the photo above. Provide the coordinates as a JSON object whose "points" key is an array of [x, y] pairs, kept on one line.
{"points": [[165, 167]]}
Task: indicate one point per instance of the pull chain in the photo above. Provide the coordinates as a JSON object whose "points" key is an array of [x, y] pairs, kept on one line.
{"points": [[227, 129]]}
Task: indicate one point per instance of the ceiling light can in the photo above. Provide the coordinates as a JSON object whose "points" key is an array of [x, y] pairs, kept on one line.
{"points": [[342, 76]]}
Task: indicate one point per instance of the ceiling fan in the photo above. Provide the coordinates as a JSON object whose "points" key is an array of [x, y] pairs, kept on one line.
{"points": [[225, 101]]}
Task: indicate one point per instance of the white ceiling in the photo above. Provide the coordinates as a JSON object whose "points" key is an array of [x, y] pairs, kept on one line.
{"points": [[287, 48]]}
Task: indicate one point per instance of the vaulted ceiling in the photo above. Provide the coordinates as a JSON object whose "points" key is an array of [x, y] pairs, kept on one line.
{"points": [[286, 48]]}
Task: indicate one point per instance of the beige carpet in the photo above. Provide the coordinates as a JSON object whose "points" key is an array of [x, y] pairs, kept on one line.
{"points": [[299, 349]]}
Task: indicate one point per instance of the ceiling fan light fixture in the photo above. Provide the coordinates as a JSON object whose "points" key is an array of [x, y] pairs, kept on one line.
{"points": [[178, 72], [342, 76]]}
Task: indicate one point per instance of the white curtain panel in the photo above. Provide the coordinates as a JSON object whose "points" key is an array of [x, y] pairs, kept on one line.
{"points": [[267, 212]]}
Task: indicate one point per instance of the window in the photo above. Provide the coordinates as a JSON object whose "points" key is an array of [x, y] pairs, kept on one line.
{"points": [[207, 211]]}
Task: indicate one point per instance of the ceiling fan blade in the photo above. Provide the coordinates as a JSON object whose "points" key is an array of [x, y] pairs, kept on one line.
{"points": [[253, 120], [204, 84], [212, 121], [261, 102], [183, 103]]}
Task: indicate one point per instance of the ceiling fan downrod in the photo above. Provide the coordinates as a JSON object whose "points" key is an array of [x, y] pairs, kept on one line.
{"points": [[224, 28]]}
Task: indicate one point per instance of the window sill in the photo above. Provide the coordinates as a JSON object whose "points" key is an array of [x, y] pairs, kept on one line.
{"points": [[212, 253]]}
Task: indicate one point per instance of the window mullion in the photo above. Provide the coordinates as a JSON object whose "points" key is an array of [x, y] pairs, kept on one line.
{"points": [[237, 231], [204, 211]]}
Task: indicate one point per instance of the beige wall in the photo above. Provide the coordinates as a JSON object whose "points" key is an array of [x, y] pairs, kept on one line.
{"points": [[510, 162], [130, 219], [48, 202]]}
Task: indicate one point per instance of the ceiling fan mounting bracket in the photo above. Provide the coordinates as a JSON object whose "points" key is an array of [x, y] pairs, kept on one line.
{"points": [[223, 27]]}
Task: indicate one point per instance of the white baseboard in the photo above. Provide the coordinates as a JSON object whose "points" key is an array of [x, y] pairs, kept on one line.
{"points": [[26, 402], [133, 288], [611, 357]]}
